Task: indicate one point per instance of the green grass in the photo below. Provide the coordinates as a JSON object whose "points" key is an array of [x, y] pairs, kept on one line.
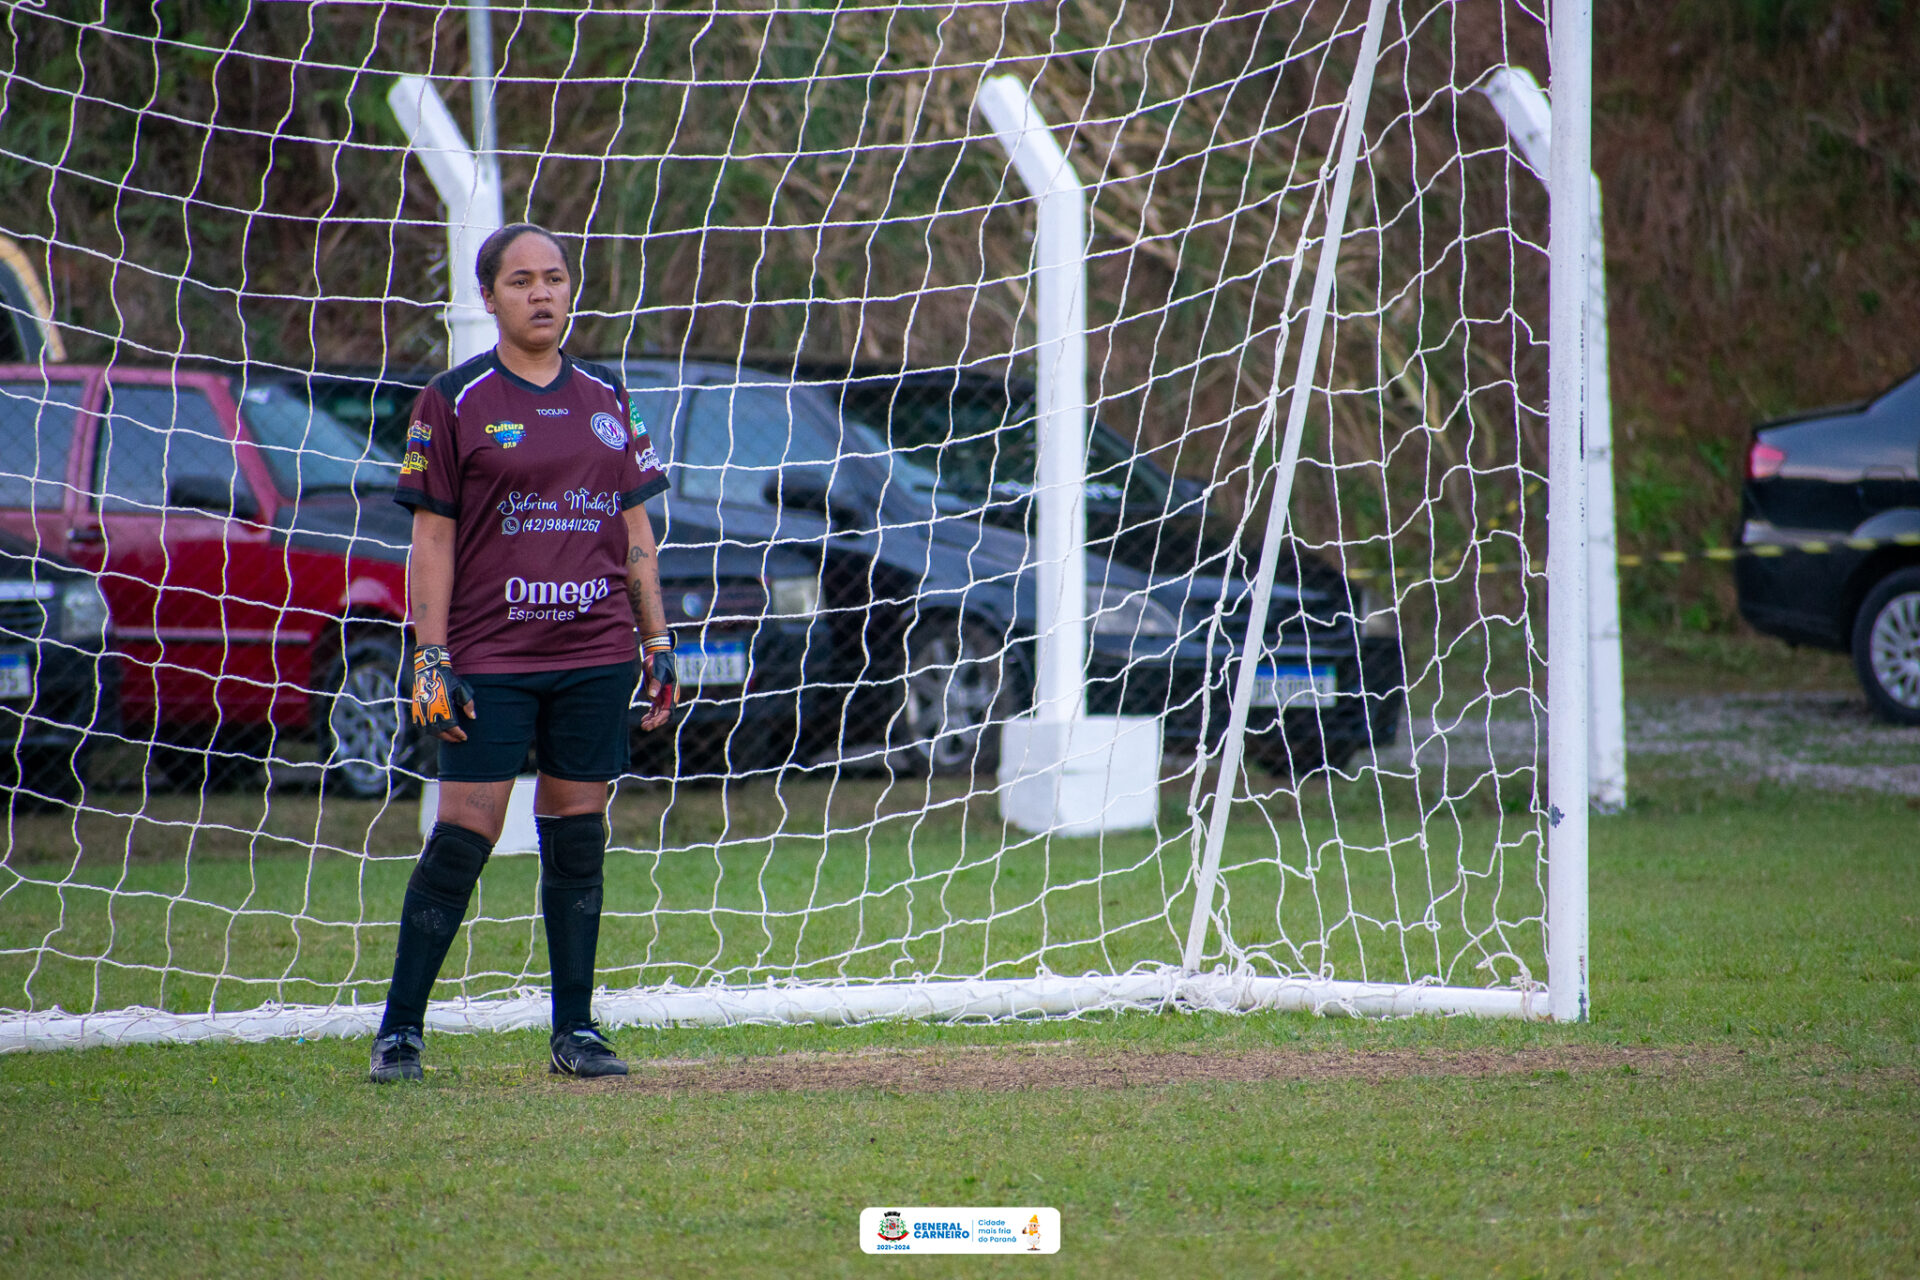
{"points": [[1772, 937]]}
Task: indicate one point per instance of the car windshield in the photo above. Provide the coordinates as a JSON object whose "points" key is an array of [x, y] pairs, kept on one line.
{"points": [[308, 450], [739, 435], [981, 450]]}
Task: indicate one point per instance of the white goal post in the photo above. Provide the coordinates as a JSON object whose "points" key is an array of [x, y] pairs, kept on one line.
{"points": [[1319, 352]]}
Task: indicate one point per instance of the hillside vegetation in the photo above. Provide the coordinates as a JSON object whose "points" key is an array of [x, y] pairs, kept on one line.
{"points": [[232, 184], [1761, 166]]}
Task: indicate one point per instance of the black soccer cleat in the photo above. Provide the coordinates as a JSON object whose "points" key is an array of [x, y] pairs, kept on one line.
{"points": [[397, 1056], [584, 1052]]}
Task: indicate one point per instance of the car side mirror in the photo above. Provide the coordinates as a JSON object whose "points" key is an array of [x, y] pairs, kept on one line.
{"points": [[807, 491], [214, 494], [796, 491]]}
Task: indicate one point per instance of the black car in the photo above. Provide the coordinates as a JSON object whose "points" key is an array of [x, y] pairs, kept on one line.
{"points": [[745, 622], [59, 685], [919, 529], [1830, 539]]}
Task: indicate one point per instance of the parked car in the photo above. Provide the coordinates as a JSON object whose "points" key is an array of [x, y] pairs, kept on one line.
{"points": [[58, 688], [918, 523], [1830, 528], [255, 564]]}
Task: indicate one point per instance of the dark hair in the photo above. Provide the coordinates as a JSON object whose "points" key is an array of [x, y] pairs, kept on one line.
{"points": [[494, 248]]}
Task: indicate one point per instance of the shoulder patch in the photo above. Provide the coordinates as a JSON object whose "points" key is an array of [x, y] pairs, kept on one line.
{"points": [[608, 428]]}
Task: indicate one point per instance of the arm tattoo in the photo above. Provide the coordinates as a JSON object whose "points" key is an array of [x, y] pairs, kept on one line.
{"points": [[643, 592]]}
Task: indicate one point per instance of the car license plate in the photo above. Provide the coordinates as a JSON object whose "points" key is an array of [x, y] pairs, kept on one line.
{"points": [[1291, 687], [16, 676], [701, 664]]}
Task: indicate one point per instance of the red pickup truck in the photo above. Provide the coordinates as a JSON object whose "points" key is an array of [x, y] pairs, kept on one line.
{"points": [[253, 562]]}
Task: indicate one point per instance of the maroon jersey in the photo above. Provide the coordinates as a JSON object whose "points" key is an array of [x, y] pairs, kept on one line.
{"points": [[535, 479]]}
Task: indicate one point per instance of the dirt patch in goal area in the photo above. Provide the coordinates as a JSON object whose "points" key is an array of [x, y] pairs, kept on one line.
{"points": [[1068, 1066]]}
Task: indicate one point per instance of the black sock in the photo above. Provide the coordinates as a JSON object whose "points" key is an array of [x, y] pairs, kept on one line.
{"points": [[573, 851], [430, 915]]}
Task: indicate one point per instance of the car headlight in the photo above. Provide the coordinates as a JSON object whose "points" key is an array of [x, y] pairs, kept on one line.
{"points": [[1378, 616], [1112, 611], [796, 597], [83, 612]]}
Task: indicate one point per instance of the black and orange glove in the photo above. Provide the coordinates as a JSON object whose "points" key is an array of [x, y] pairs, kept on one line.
{"points": [[657, 670], [440, 697]]}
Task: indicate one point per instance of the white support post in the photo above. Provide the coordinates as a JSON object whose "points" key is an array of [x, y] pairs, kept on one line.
{"points": [[1570, 183], [1516, 95], [470, 187], [1606, 673], [480, 55], [1061, 770], [1060, 469], [1352, 129]]}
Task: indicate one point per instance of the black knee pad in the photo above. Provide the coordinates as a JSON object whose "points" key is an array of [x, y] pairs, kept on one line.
{"points": [[451, 863], [572, 850]]}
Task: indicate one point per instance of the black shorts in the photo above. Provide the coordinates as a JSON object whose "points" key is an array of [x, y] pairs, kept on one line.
{"points": [[576, 722]]}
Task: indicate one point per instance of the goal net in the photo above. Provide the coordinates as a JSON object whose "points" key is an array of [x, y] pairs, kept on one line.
{"points": [[1307, 312]]}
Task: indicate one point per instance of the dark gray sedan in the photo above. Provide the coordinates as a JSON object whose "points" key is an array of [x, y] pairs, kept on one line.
{"points": [[927, 577], [59, 686], [1830, 535]]}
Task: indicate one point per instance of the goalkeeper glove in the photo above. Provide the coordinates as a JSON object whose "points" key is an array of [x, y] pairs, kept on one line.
{"points": [[437, 691], [656, 665]]}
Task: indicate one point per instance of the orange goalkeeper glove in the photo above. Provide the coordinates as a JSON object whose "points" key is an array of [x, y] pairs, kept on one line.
{"points": [[438, 692]]}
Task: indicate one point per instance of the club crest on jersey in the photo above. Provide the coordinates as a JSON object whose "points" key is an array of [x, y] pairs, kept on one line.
{"points": [[506, 434], [611, 433]]}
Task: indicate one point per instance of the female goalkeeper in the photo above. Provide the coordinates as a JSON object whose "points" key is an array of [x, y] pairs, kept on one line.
{"points": [[532, 564]]}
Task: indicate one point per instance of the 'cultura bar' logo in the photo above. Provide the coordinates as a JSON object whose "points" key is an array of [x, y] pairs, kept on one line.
{"points": [[507, 434]]}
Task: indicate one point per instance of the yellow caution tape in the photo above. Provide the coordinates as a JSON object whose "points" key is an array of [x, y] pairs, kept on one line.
{"points": [[1764, 550]]}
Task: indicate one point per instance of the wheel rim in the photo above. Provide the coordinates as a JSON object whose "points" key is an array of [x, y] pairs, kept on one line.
{"points": [[951, 691], [1894, 649], [364, 722]]}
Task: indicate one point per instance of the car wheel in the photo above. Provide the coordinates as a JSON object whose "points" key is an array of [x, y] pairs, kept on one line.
{"points": [[961, 683], [370, 747], [1886, 647]]}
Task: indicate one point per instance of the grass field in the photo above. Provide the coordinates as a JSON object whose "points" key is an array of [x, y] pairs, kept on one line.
{"points": [[1745, 1101]]}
